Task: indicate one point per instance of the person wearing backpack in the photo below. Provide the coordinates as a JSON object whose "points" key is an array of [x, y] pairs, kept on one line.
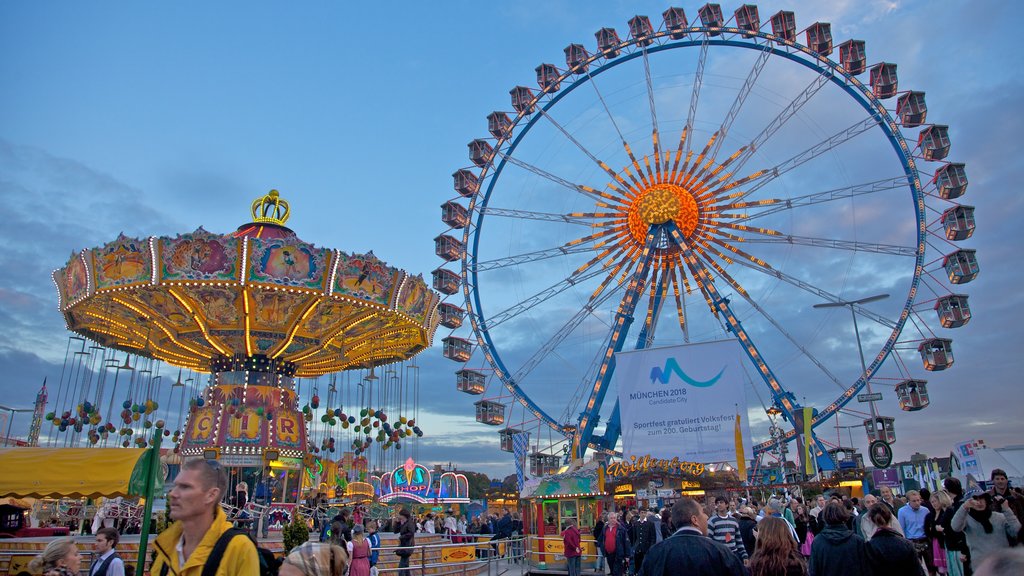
{"points": [[106, 562], [201, 541], [615, 544]]}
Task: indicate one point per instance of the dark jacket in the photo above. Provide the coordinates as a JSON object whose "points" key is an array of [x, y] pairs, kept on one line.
{"points": [[622, 547], [747, 526], [837, 551], [951, 540], [890, 554], [645, 537], [504, 527], [406, 538], [688, 548]]}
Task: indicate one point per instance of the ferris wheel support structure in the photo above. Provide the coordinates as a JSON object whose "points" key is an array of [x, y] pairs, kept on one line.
{"points": [[657, 235]]}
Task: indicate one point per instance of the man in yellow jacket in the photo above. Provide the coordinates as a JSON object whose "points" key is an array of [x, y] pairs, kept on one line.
{"points": [[194, 504]]}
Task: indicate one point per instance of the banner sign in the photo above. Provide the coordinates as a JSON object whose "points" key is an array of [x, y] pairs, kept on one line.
{"points": [[886, 477], [681, 401], [969, 464]]}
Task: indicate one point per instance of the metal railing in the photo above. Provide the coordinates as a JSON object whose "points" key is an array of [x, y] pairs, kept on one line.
{"points": [[477, 555]]}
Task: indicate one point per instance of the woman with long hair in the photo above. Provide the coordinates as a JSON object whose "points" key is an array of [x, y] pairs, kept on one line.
{"points": [[947, 554], [776, 552], [803, 529], [60, 558]]}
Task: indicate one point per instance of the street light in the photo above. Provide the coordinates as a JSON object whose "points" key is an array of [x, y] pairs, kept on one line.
{"points": [[864, 369]]}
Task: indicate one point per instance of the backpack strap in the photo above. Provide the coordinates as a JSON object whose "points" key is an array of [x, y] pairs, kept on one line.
{"points": [[217, 554]]}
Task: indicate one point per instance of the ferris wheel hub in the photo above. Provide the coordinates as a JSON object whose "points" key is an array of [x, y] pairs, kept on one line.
{"points": [[660, 203]]}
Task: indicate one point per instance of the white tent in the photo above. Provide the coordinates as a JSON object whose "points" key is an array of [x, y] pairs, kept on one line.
{"points": [[978, 461]]}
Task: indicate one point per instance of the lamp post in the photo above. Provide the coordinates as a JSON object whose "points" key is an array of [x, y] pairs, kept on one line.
{"points": [[864, 369]]}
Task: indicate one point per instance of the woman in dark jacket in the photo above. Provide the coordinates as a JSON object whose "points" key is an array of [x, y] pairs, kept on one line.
{"points": [[888, 551], [748, 523], [837, 551]]}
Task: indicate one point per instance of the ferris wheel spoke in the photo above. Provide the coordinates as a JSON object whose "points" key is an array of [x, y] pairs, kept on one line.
{"points": [[779, 121], [678, 271], [582, 189], [875, 248], [821, 293], [698, 80], [601, 163], [775, 205], [625, 145], [582, 274], [746, 296], [581, 218], [655, 135], [560, 335], [528, 257], [813, 152], [741, 97]]}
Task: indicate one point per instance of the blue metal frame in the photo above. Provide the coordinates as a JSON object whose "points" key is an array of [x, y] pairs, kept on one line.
{"points": [[856, 89]]}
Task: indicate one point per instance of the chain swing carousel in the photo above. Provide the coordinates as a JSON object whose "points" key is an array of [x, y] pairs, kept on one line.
{"points": [[259, 310]]}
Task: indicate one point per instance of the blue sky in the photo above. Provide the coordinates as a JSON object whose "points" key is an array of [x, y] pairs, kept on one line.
{"points": [[154, 119]]}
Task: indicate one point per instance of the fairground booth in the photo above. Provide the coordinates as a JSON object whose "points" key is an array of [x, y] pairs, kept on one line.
{"points": [[550, 502], [420, 489]]}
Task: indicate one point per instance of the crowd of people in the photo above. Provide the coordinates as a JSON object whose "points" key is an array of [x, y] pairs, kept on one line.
{"points": [[948, 533]]}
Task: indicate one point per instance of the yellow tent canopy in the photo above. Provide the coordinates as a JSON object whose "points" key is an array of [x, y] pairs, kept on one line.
{"points": [[73, 472]]}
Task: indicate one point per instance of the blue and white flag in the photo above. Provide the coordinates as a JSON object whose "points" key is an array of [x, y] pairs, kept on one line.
{"points": [[520, 445]]}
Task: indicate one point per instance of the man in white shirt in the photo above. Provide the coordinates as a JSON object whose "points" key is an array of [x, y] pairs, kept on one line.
{"points": [[106, 562]]}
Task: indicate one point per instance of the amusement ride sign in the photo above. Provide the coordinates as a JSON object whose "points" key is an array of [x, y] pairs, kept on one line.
{"points": [[645, 464]]}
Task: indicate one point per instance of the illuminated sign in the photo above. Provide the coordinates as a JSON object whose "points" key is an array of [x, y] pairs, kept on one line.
{"points": [[648, 464], [623, 488]]}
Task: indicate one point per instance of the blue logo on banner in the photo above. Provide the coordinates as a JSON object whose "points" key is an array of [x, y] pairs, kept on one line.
{"points": [[672, 367]]}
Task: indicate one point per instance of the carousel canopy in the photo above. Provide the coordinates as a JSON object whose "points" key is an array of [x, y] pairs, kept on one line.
{"points": [[257, 296], [72, 472]]}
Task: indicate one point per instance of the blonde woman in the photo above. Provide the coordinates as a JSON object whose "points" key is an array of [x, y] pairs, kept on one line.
{"points": [[60, 558], [315, 559], [944, 537]]}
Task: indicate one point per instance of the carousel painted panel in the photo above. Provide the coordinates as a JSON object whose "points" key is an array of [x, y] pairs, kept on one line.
{"points": [[244, 428], [289, 429], [329, 317], [202, 424], [199, 255], [416, 299], [287, 262], [164, 306], [275, 310], [219, 307], [365, 277], [123, 262], [75, 278]]}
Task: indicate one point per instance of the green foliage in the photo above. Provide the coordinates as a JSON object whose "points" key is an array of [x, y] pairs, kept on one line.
{"points": [[161, 522], [479, 484], [295, 533]]}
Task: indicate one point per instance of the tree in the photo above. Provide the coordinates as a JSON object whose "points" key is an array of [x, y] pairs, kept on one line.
{"points": [[479, 483]]}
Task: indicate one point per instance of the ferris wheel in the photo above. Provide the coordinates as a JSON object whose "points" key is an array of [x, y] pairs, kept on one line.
{"points": [[700, 180]]}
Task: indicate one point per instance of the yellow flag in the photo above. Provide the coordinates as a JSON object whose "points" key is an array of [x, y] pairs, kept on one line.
{"points": [[741, 461], [808, 463]]}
